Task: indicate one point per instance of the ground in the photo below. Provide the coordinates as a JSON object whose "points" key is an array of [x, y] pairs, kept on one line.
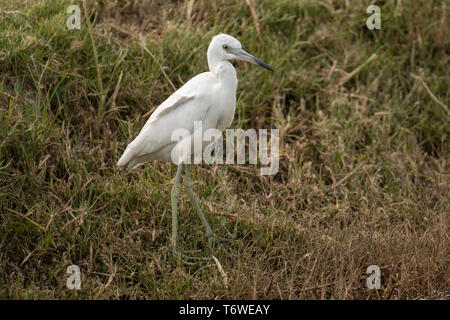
{"points": [[364, 173]]}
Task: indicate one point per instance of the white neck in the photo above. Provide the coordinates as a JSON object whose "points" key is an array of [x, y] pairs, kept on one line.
{"points": [[213, 60], [225, 72]]}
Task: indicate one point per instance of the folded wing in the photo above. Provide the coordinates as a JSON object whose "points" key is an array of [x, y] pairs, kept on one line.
{"points": [[188, 104]]}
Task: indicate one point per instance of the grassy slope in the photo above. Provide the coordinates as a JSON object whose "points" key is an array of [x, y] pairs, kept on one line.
{"points": [[364, 176]]}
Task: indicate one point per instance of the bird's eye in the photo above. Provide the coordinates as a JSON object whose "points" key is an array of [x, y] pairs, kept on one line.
{"points": [[225, 47]]}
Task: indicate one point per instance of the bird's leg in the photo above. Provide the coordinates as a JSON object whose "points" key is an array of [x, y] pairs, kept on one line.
{"points": [[174, 196], [187, 183]]}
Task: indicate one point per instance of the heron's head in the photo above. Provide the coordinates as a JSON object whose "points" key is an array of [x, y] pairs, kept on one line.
{"points": [[225, 47]]}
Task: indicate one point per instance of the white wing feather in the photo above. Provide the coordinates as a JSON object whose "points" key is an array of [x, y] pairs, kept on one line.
{"points": [[188, 104]]}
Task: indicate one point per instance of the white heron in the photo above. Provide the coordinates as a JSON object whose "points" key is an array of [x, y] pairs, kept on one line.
{"points": [[209, 97]]}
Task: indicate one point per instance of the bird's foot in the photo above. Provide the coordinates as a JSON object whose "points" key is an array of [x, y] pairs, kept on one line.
{"points": [[211, 237], [183, 257], [180, 257], [177, 253]]}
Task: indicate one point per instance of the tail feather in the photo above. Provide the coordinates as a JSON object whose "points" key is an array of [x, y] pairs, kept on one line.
{"points": [[129, 157]]}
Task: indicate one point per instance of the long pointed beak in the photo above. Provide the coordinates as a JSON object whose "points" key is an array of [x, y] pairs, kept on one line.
{"points": [[242, 55]]}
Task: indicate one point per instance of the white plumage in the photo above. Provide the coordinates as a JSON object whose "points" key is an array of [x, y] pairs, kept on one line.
{"points": [[209, 97]]}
